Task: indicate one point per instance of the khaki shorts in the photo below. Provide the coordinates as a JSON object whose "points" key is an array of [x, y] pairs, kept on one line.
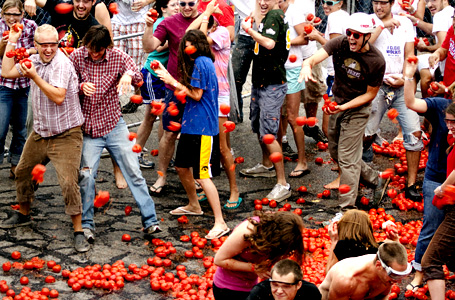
{"points": [[314, 91]]}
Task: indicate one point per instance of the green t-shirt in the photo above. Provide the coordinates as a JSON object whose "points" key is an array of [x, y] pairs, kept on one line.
{"points": [[268, 65], [162, 56]]}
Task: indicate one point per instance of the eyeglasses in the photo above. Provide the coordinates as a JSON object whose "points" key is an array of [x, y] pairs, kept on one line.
{"points": [[394, 274], [330, 3], [356, 35], [275, 284], [12, 14], [190, 4], [47, 45], [381, 3], [449, 121]]}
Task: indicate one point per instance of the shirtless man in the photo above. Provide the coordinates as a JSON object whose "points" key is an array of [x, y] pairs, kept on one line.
{"points": [[367, 277]]}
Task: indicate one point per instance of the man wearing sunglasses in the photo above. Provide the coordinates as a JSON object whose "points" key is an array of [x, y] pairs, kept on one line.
{"points": [[369, 276], [359, 69], [394, 37], [285, 284]]}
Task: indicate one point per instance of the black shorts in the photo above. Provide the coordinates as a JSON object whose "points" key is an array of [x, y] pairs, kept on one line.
{"points": [[200, 152]]}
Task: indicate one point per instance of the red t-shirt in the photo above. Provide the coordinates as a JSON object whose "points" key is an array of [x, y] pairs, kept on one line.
{"points": [[226, 19], [451, 156], [449, 44]]}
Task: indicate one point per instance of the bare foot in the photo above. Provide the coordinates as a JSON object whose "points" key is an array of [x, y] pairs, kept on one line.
{"points": [[334, 185], [119, 179], [159, 184]]}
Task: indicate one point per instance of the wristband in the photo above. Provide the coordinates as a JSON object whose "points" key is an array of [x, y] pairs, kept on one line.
{"points": [[408, 78], [175, 84], [204, 18], [12, 44], [416, 23]]}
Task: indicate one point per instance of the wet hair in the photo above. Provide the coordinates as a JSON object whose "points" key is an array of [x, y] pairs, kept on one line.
{"points": [[45, 28], [451, 111], [276, 236], [159, 5], [393, 252], [356, 225], [186, 62], [286, 266], [97, 37], [11, 4]]}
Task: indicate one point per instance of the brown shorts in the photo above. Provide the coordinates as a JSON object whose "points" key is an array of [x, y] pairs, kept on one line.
{"points": [[314, 91]]}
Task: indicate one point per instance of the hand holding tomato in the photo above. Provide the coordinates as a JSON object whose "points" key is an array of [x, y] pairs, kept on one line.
{"points": [[247, 23], [28, 72], [14, 36], [88, 88], [433, 60]]}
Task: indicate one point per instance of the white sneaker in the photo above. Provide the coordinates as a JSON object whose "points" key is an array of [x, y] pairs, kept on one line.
{"points": [[259, 170], [280, 192], [89, 235]]}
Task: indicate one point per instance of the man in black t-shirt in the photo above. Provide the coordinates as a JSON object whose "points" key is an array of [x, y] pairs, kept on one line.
{"points": [[285, 284], [359, 70]]}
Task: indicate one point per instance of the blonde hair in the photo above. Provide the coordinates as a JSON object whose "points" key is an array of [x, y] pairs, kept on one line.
{"points": [[356, 225], [11, 4], [46, 28]]}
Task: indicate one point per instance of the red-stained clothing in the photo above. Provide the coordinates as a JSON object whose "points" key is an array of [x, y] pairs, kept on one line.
{"points": [[449, 44], [102, 110], [226, 19], [451, 156]]}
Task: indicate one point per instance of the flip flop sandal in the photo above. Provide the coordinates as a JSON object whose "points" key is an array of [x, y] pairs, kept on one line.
{"points": [[237, 204], [219, 233], [201, 197]]}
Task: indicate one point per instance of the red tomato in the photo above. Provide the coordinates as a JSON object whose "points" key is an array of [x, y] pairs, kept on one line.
{"points": [[272, 203], [309, 17], [132, 136], [128, 210], [326, 193], [239, 160], [292, 58], [287, 206], [364, 200], [153, 13], [137, 99], [300, 201], [229, 125], [409, 293], [298, 211], [387, 173], [434, 86], [76, 287], [392, 193], [16, 255], [154, 152], [268, 139], [308, 28], [56, 268], [137, 148], [24, 280], [5, 33], [154, 65], [6, 266], [225, 108], [63, 8], [302, 189], [412, 59], [392, 113], [301, 121], [49, 279], [185, 238], [312, 121], [183, 220], [319, 160], [101, 199], [38, 173], [395, 289], [265, 201], [258, 207], [180, 95], [317, 20], [276, 157], [189, 254], [344, 188], [174, 126], [126, 237], [190, 49]]}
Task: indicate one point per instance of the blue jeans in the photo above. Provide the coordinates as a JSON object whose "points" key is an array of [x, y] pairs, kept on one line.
{"points": [[432, 218], [13, 110], [120, 148]]}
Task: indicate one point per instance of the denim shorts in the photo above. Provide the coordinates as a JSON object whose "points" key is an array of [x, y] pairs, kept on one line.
{"points": [[265, 108]]}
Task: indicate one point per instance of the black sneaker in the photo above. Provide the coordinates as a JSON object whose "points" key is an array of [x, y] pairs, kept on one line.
{"points": [[412, 193], [288, 151], [315, 133], [16, 220], [80, 242], [129, 108]]}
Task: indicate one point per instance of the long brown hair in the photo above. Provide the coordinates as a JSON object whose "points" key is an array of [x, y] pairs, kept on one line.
{"points": [[276, 235], [185, 61], [356, 225]]}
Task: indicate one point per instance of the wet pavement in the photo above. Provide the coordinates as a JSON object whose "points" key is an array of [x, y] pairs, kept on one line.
{"points": [[50, 236]]}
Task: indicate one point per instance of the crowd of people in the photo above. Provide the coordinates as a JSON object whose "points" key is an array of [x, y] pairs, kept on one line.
{"points": [[71, 98]]}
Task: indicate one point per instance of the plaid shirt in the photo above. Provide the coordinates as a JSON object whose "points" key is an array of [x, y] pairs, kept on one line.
{"points": [[26, 41], [50, 119], [102, 110]]}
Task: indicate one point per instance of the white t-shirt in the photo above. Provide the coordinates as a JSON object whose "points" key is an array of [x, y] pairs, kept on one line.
{"points": [[442, 20], [392, 45], [307, 8], [336, 23], [294, 16], [396, 8], [244, 9], [126, 16]]}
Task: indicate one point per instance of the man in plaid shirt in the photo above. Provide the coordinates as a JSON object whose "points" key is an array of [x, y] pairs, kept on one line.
{"points": [[57, 134], [105, 71]]}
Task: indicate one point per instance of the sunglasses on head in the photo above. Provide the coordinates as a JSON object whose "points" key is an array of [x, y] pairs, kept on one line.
{"points": [[190, 4], [356, 35], [330, 3], [394, 274]]}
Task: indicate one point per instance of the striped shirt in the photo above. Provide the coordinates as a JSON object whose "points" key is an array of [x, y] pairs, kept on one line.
{"points": [[102, 110], [26, 41], [50, 119]]}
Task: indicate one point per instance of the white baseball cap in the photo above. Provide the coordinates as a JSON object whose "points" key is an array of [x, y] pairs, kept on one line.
{"points": [[361, 22]]}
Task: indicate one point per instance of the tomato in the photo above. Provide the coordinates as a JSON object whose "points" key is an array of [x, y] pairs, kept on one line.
{"points": [[126, 238], [229, 125], [319, 160], [132, 136], [225, 108], [302, 189], [154, 65], [27, 64], [292, 58], [265, 201], [137, 99], [268, 139], [5, 33], [344, 188], [16, 255], [287, 206], [10, 293], [101, 199], [326, 193], [434, 86], [190, 49], [392, 193], [180, 95], [395, 289], [183, 220], [392, 113], [128, 210], [300, 201], [154, 152], [17, 26], [38, 173], [4, 287], [49, 279], [317, 20], [364, 200], [63, 8], [298, 211], [301, 121], [184, 238], [189, 254], [6, 266], [308, 28], [309, 17], [409, 293], [412, 59], [239, 160], [258, 207], [174, 126], [393, 295], [276, 157], [136, 148], [76, 287], [57, 269], [153, 13], [312, 121], [24, 280], [272, 203]]}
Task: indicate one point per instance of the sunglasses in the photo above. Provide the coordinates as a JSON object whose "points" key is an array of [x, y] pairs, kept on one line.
{"points": [[280, 284], [449, 121], [330, 3], [12, 14], [394, 274], [190, 4], [356, 35]]}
